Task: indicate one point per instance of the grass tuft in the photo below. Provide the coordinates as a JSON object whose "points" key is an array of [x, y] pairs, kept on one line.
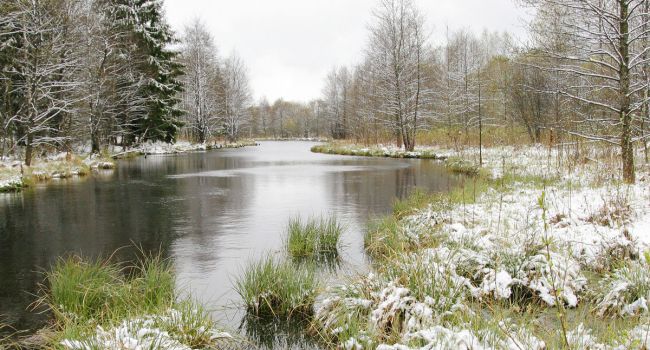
{"points": [[98, 304], [273, 288], [313, 239]]}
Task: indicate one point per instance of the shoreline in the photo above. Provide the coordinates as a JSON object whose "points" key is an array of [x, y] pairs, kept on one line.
{"points": [[454, 162], [15, 176], [537, 248]]}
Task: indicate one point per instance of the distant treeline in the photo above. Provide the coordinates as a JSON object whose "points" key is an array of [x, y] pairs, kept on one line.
{"points": [[112, 72]]}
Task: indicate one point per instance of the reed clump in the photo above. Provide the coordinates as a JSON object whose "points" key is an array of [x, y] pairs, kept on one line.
{"points": [[313, 238]]}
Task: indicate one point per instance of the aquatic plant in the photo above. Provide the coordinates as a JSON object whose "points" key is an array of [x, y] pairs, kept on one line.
{"points": [[274, 288], [98, 304], [315, 238]]}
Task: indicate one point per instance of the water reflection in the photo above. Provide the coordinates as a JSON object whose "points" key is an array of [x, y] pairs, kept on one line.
{"points": [[211, 212]]}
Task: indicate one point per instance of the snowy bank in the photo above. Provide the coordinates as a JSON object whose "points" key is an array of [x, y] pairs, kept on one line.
{"points": [[14, 175], [162, 148], [540, 230]]}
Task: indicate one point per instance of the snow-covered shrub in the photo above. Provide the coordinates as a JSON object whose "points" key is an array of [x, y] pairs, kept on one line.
{"points": [[626, 291]]}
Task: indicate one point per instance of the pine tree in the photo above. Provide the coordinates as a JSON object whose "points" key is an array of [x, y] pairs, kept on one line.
{"points": [[157, 71]]}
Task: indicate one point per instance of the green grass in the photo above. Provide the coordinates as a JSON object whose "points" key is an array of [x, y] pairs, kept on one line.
{"points": [[417, 200], [85, 294], [280, 289], [314, 238]]}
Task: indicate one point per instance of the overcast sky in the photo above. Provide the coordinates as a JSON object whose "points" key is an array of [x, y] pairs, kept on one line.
{"points": [[290, 45]]}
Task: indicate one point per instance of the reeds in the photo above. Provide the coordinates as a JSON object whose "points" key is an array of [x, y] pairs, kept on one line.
{"points": [[313, 239], [277, 288]]}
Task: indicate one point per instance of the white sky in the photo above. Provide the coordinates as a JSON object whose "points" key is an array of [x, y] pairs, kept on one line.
{"points": [[289, 46]]}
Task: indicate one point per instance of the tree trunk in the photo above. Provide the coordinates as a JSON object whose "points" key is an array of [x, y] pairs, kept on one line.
{"points": [[29, 149], [627, 148], [94, 139]]}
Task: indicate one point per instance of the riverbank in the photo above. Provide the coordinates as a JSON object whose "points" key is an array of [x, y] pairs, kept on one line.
{"points": [[545, 248], [162, 148], [348, 149], [15, 176]]}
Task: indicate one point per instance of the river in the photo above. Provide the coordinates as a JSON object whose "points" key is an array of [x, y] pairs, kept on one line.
{"points": [[210, 212]]}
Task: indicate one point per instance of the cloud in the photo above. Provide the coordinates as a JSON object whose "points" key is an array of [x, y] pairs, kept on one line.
{"points": [[290, 45]]}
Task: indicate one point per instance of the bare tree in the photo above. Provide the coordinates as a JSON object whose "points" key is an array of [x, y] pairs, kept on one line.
{"points": [[236, 96], [43, 74], [199, 56], [396, 56], [336, 98], [605, 64]]}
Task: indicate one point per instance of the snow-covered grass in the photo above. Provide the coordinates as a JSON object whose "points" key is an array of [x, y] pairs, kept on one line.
{"points": [[99, 305], [276, 288], [375, 151], [551, 238], [14, 175], [161, 148]]}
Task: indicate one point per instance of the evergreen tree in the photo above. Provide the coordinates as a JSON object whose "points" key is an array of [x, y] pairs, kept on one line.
{"points": [[157, 71]]}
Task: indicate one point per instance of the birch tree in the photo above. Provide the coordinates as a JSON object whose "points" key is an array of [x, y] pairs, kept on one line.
{"points": [[199, 56], [396, 55], [236, 97]]}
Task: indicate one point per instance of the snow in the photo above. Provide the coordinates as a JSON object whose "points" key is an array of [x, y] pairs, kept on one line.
{"points": [[540, 237], [148, 332], [10, 183]]}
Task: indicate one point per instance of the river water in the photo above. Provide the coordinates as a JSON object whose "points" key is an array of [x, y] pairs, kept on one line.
{"points": [[210, 212]]}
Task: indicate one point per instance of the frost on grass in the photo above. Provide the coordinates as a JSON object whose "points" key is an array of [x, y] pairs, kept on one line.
{"points": [[502, 246], [11, 183], [626, 291], [168, 332]]}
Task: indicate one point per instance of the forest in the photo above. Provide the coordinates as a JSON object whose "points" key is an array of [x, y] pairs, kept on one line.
{"points": [[99, 73]]}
